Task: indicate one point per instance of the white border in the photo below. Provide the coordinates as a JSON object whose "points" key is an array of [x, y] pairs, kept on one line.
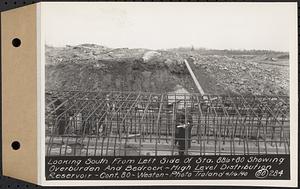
{"points": [[41, 91], [275, 183]]}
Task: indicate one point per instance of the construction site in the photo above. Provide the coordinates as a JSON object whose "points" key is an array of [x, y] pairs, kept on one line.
{"points": [[190, 118]]}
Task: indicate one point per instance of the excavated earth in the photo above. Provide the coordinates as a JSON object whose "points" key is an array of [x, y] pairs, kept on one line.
{"points": [[93, 67]]}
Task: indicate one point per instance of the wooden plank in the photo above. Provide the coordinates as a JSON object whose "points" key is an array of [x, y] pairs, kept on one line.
{"points": [[194, 78]]}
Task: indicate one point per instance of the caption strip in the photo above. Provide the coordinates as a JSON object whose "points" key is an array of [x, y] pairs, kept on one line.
{"points": [[276, 167]]}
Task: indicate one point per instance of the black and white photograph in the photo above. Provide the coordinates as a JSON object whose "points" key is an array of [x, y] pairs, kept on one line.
{"points": [[167, 79], [121, 88]]}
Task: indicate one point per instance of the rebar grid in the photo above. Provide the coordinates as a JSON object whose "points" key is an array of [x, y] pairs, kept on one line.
{"points": [[125, 123]]}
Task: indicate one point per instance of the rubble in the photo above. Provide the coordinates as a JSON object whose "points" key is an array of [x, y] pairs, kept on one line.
{"points": [[95, 67], [247, 74], [148, 56]]}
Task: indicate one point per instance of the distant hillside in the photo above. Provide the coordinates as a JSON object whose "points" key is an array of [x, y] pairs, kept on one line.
{"points": [[204, 51]]}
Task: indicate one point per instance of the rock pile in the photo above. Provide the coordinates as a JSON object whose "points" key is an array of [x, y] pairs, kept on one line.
{"points": [[246, 75], [99, 67]]}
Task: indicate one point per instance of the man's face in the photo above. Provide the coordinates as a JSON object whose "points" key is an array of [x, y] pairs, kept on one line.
{"points": [[181, 119]]}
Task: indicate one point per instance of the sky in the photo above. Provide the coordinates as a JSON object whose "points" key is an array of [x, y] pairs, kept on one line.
{"points": [[171, 25]]}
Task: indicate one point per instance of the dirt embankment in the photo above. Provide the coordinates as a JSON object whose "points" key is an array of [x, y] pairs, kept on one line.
{"points": [[93, 67], [125, 75]]}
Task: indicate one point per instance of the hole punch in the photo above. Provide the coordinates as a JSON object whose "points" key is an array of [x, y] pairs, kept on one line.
{"points": [[16, 145], [16, 42]]}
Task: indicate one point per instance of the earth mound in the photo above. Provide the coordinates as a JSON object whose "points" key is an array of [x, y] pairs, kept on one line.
{"points": [[94, 67]]}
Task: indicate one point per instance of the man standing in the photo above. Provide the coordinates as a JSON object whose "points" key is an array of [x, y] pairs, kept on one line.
{"points": [[60, 116], [183, 132]]}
